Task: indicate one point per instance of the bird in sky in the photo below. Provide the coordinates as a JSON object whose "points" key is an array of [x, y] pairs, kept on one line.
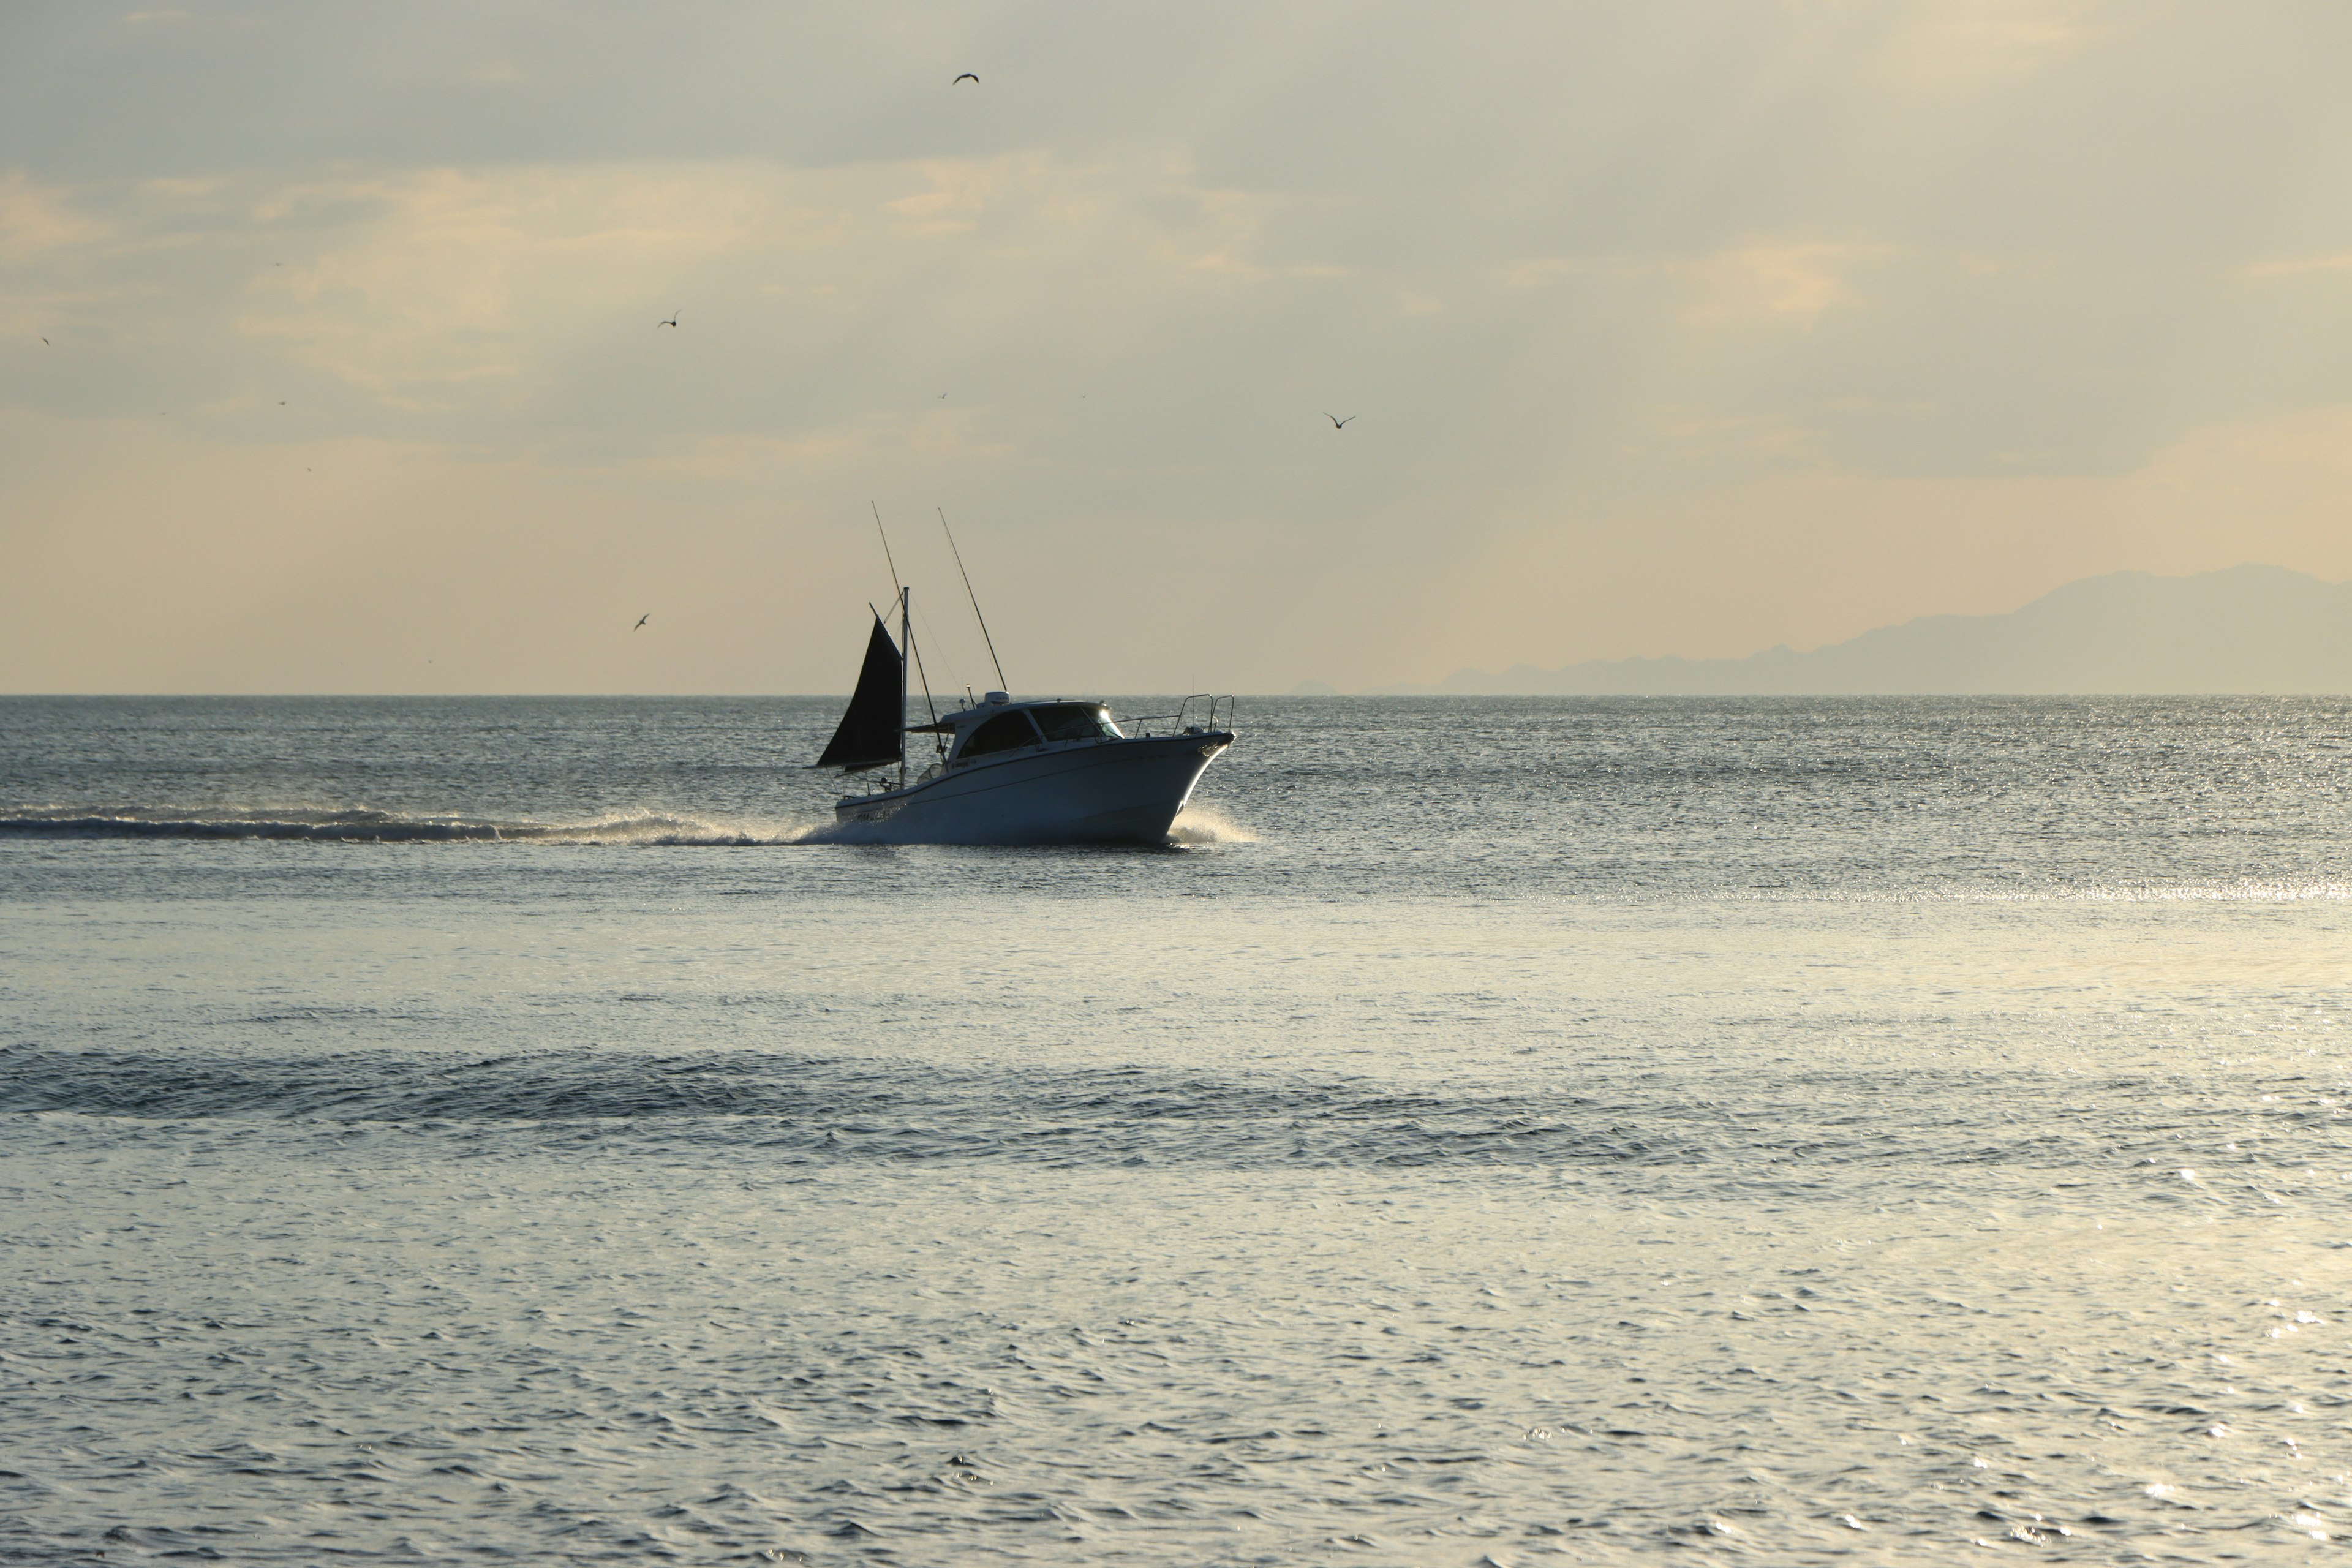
{"points": [[671, 323], [1337, 423], [969, 77], [47, 344], [641, 620]]}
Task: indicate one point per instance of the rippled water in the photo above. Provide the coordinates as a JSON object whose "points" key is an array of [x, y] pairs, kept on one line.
{"points": [[1513, 1130]]}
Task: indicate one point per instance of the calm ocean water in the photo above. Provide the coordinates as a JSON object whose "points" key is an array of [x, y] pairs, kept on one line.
{"points": [[1502, 1131]]}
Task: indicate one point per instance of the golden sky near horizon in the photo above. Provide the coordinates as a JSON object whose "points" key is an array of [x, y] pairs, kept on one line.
{"points": [[1691, 326]]}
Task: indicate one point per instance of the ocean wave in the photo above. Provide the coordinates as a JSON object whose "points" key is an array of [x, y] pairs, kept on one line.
{"points": [[844, 1109], [856, 1109]]}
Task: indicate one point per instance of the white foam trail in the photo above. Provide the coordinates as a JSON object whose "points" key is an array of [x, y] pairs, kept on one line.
{"points": [[365, 825], [1205, 825], [657, 828]]}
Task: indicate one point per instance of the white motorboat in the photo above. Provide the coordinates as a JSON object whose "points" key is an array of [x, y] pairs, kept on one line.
{"points": [[1036, 770]]}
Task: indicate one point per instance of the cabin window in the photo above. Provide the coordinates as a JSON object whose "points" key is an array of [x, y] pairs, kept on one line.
{"points": [[1074, 721], [1005, 733]]}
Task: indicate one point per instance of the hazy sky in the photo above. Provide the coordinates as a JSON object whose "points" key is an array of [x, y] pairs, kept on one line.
{"points": [[1678, 326]]}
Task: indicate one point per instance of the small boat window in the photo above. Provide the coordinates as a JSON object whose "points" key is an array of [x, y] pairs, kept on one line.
{"points": [[1005, 733], [1074, 721]]}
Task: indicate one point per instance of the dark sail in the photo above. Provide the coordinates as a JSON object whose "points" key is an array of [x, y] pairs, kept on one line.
{"points": [[872, 732]]}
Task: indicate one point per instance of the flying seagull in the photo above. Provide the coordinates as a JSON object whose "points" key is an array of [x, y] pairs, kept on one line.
{"points": [[969, 77], [641, 620], [1337, 423], [671, 323]]}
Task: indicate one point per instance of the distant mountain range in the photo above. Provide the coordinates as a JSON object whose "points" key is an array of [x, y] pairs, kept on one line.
{"points": [[2247, 629]]}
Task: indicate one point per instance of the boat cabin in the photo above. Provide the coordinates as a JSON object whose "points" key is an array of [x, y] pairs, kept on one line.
{"points": [[999, 724]]}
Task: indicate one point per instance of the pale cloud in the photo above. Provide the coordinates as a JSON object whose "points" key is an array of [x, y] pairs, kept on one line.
{"points": [[1791, 282], [2301, 266], [2286, 472], [40, 223], [1539, 271], [446, 285], [1997, 35], [1705, 437], [1046, 208], [1757, 282], [437, 288], [1959, 46]]}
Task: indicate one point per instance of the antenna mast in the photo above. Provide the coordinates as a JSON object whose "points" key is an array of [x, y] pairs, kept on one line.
{"points": [[1001, 684]]}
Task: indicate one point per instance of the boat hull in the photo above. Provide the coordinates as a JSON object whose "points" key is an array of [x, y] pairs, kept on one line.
{"points": [[1125, 790]]}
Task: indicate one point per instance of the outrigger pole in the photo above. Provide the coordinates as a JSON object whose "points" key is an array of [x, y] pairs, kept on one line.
{"points": [[905, 635], [886, 542], [906, 643], [976, 616]]}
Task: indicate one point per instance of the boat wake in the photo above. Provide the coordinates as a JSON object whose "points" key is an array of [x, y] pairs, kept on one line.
{"points": [[1197, 828], [364, 826], [1201, 826]]}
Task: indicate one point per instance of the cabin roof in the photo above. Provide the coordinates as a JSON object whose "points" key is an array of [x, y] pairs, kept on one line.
{"points": [[963, 719]]}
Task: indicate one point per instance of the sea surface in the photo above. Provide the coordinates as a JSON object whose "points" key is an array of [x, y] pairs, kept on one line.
{"points": [[1495, 1133]]}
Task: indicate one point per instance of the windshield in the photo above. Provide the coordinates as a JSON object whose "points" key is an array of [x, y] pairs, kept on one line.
{"points": [[1074, 721], [1004, 732]]}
